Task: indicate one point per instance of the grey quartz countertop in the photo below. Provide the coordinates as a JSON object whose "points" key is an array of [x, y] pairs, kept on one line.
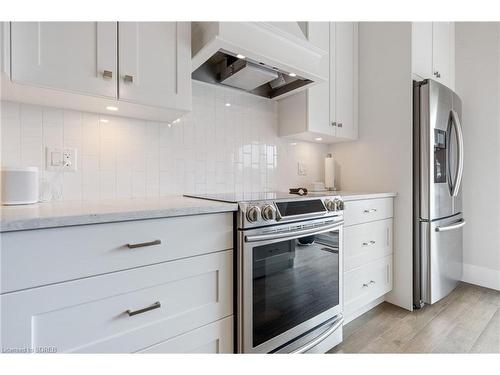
{"points": [[67, 213]]}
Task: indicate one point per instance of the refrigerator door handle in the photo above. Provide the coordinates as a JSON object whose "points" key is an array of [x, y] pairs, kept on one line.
{"points": [[453, 226], [460, 140]]}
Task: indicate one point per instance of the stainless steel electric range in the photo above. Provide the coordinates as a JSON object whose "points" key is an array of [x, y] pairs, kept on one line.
{"points": [[288, 268]]}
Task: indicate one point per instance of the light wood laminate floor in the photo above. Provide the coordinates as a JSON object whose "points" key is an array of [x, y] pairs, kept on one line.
{"points": [[466, 321]]}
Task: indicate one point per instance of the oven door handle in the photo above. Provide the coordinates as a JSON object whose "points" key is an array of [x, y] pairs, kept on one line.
{"points": [[311, 344], [293, 234]]}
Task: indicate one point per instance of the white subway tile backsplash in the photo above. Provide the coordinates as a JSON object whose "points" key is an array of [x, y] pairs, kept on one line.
{"points": [[215, 148]]}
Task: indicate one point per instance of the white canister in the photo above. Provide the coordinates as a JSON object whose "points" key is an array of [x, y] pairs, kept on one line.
{"points": [[19, 185]]}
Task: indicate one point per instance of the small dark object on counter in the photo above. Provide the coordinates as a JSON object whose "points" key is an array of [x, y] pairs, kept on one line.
{"points": [[298, 191]]}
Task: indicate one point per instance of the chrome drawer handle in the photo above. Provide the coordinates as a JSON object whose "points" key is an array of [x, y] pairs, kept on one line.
{"points": [[365, 285], [369, 243], [370, 210], [372, 282], [107, 74], [128, 78], [143, 244], [155, 305]]}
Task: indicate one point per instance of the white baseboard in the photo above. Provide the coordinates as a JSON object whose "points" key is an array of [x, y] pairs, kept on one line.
{"points": [[482, 276], [351, 315]]}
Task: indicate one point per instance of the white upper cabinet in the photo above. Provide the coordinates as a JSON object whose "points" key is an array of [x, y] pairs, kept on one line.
{"points": [[155, 63], [142, 68], [74, 56], [344, 87], [327, 112], [433, 51]]}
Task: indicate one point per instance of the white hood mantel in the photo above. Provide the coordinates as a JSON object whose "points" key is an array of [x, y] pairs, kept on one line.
{"points": [[281, 47]]}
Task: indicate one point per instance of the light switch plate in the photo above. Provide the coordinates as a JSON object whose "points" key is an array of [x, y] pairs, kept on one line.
{"points": [[301, 169]]}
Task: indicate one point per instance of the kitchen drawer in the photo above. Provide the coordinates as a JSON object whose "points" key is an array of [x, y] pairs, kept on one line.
{"points": [[364, 211], [90, 315], [364, 243], [45, 256], [365, 284], [213, 338]]}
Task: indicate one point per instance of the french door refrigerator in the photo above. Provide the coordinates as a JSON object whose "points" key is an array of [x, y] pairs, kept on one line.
{"points": [[438, 157]]}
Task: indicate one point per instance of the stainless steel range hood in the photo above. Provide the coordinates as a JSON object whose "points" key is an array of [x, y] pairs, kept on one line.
{"points": [[272, 60]]}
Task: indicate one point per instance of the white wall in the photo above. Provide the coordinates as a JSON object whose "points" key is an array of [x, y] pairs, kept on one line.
{"points": [[381, 160], [215, 148], [478, 84]]}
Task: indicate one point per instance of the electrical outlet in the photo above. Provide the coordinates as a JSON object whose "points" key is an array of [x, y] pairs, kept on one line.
{"points": [[61, 159], [301, 169], [69, 159]]}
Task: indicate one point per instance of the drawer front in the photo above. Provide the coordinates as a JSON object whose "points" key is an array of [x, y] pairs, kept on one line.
{"points": [[102, 314], [213, 338], [46, 256], [367, 242], [364, 284], [364, 211]]}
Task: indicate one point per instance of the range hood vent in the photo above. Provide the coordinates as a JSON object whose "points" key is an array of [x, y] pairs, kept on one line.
{"points": [[257, 57], [245, 75]]}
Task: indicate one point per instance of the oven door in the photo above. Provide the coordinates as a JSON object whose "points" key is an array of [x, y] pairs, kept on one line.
{"points": [[289, 285]]}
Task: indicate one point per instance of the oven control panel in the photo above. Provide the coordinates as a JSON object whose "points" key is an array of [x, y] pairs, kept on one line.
{"points": [[253, 214]]}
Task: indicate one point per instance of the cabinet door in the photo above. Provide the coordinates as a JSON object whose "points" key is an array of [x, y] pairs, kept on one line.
{"points": [[421, 49], [346, 80], [213, 338], [155, 63], [73, 56], [122, 312], [333, 74], [317, 99], [443, 52]]}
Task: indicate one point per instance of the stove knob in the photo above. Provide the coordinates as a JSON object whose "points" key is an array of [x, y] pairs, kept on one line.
{"points": [[330, 205], [253, 214], [269, 212], [339, 204]]}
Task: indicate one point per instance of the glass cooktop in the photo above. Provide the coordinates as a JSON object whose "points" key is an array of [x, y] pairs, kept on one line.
{"points": [[258, 196]]}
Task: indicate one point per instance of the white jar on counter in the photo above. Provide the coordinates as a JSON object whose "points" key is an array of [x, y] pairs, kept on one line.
{"points": [[19, 185]]}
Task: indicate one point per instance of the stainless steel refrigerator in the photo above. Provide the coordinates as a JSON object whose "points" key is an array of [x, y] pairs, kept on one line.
{"points": [[438, 158]]}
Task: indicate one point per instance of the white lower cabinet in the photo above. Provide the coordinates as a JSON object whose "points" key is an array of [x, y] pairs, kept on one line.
{"points": [[368, 249], [367, 283], [213, 338], [121, 312]]}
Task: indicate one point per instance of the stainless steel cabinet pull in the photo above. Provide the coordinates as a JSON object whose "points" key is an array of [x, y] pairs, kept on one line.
{"points": [[368, 243], [365, 285], [128, 78], [372, 242], [155, 305], [372, 282], [339, 124], [334, 123], [107, 74], [143, 244], [437, 74], [370, 210]]}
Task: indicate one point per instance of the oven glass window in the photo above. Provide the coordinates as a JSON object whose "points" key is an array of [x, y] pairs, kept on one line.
{"points": [[293, 281]]}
